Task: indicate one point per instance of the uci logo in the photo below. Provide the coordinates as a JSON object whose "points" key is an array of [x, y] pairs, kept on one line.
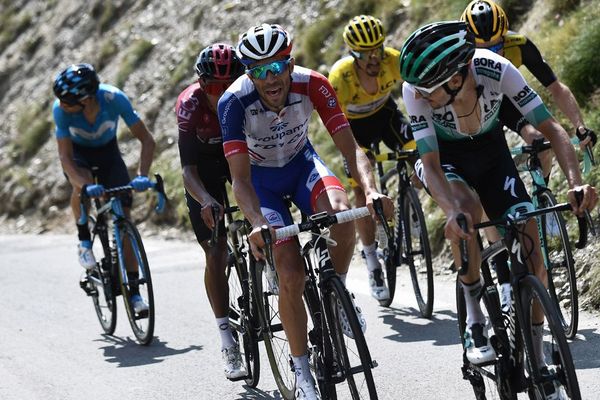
{"points": [[313, 177], [331, 103]]}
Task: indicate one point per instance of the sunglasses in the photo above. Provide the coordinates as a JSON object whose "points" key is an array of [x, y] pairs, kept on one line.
{"points": [[216, 87], [275, 67], [427, 92], [497, 47], [366, 54]]}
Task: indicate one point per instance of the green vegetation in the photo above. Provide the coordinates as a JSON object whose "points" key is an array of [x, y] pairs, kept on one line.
{"points": [[32, 44], [168, 167], [135, 55], [11, 26], [33, 127], [108, 50], [185, 66]]}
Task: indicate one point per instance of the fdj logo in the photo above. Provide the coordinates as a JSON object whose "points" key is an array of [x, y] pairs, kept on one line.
{"points": [[279, 126]]}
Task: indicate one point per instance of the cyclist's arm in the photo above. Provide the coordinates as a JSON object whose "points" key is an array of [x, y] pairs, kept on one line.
{"points": [[566, 102], [357, 160], [65, 154], [142, 133], [563, 149]]}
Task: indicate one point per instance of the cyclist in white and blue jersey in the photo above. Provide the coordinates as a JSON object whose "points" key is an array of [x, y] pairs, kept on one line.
{"points": [[453, 95], [86, 114]]}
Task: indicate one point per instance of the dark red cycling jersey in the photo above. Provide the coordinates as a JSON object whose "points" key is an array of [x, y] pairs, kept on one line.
{"points": [[199, 130]]}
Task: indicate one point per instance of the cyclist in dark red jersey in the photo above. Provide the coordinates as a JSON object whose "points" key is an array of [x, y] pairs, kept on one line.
{"points": [[204, 173]]}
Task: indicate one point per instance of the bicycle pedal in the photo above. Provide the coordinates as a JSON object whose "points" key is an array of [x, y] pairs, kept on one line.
{"points": [[141, 315]]}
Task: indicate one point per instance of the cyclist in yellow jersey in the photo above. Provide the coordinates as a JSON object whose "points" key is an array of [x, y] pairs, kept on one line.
{"points": [[363, 82]]}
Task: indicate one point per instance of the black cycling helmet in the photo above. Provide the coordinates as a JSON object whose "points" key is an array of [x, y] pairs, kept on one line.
{"points": [[75, 83], [486, 19], [435, 52], [219, 61]]}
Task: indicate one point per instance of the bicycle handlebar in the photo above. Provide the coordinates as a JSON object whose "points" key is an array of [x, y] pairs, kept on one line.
{"points": [[321, 220]]}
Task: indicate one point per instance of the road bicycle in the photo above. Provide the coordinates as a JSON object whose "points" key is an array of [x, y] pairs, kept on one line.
{"points": [[253, 306], [123, 268], [407, 240], [517, 365], [554, 239], [334, 357]]}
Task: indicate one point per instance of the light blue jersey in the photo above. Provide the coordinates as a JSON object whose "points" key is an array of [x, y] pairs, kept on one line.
{"points": [[113, 103]]}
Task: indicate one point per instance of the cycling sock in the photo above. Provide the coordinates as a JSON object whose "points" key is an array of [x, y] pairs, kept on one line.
{"points": [[500, 264], [343, 278], [83, 232], [537, 334], [370, 252], [301, 369], [225, 332], [474, 313]]}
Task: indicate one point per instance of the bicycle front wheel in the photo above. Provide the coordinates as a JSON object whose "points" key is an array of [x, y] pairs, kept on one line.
{"points": [[276, 343], [560, 265], [136, 283], [551, 372], [100, 282], [417, 252], [240, 317], [352, 355]]}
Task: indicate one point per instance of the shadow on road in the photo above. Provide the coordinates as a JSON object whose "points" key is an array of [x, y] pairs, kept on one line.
{"points": [[257, 394], [441, 328], [128, 353], [585, 349]]}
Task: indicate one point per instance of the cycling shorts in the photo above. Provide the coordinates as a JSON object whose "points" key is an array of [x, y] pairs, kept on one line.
{"points": [[108, 165], [302, 180], [387, 124], [484, 163], [213, 173]]}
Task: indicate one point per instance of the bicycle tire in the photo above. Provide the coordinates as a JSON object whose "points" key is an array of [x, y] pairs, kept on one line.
{"points": [[417, 252], [142, 324], [100, 281], [560, 266], [497, 382], [240, 317], [352, 355], [274, 338], [557, 351]]}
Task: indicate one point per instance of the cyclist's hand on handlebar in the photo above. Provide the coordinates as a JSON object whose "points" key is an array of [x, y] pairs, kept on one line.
{"points": [[257, 242], [586, 136], [207, 213], [453, 231], [141, 183], [94, 190], [386, 202], [589, 201]]}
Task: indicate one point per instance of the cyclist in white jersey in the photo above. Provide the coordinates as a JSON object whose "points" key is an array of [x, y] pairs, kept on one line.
{"points": [[264, 117], [453, 94]]}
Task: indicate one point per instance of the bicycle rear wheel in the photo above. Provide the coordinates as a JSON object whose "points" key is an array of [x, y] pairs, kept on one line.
{"points": [[276, 343], [142, 323], [352, 355], [560, 265], [557, 360], [240, 317], [100, 281], [417, 253]]}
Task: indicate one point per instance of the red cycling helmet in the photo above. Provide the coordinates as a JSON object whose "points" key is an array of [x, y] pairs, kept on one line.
{"points": [[219, 62]]}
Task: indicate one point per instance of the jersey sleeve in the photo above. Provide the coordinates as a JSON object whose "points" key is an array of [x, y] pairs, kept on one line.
{"points": [[120, 104], [186, 139], [421, 121], [232, 119], [527, 101], [394, 63], [60, 120], [326, 103], [535, 63]]}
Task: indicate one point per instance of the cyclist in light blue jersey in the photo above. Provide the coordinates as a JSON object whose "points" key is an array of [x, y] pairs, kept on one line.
{"points": [[86, 114]]}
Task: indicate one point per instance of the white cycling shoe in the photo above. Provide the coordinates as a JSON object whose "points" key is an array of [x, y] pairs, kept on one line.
{"points": [[345, 323], [86, 257], [232, 358], [379, 290], [477, 345], [139, 304], [306, 390]]}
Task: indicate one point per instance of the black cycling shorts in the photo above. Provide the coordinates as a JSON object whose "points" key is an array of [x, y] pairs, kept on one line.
{"points": [[485, 164], [213, 174], [107, 164]]}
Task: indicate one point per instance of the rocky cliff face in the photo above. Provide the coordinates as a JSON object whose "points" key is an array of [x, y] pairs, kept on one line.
{"points": [[145, 47]]}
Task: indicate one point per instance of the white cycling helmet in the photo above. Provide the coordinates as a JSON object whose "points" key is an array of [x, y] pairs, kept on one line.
{"points": [[263, 41]]}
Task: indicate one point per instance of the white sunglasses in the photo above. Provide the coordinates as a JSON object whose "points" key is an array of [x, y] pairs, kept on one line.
{"points": [[426, 92]]}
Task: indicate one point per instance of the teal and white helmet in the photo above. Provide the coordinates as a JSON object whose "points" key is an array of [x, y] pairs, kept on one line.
{"points": [[435, 52]]}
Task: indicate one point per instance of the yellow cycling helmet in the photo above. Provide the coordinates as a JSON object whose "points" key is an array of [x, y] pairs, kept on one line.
{"points": [[364, 32], [486, 19]]}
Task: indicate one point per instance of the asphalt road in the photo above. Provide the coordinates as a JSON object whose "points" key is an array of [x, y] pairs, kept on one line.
{"points": [[52, 346]]}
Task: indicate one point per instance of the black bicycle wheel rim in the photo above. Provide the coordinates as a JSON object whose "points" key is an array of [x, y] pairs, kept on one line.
{"points": [[141, 325], [562, 284], [240, 318], [418, 253], [274, 338], [103, 298], [556, 349], [352, 354]]}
